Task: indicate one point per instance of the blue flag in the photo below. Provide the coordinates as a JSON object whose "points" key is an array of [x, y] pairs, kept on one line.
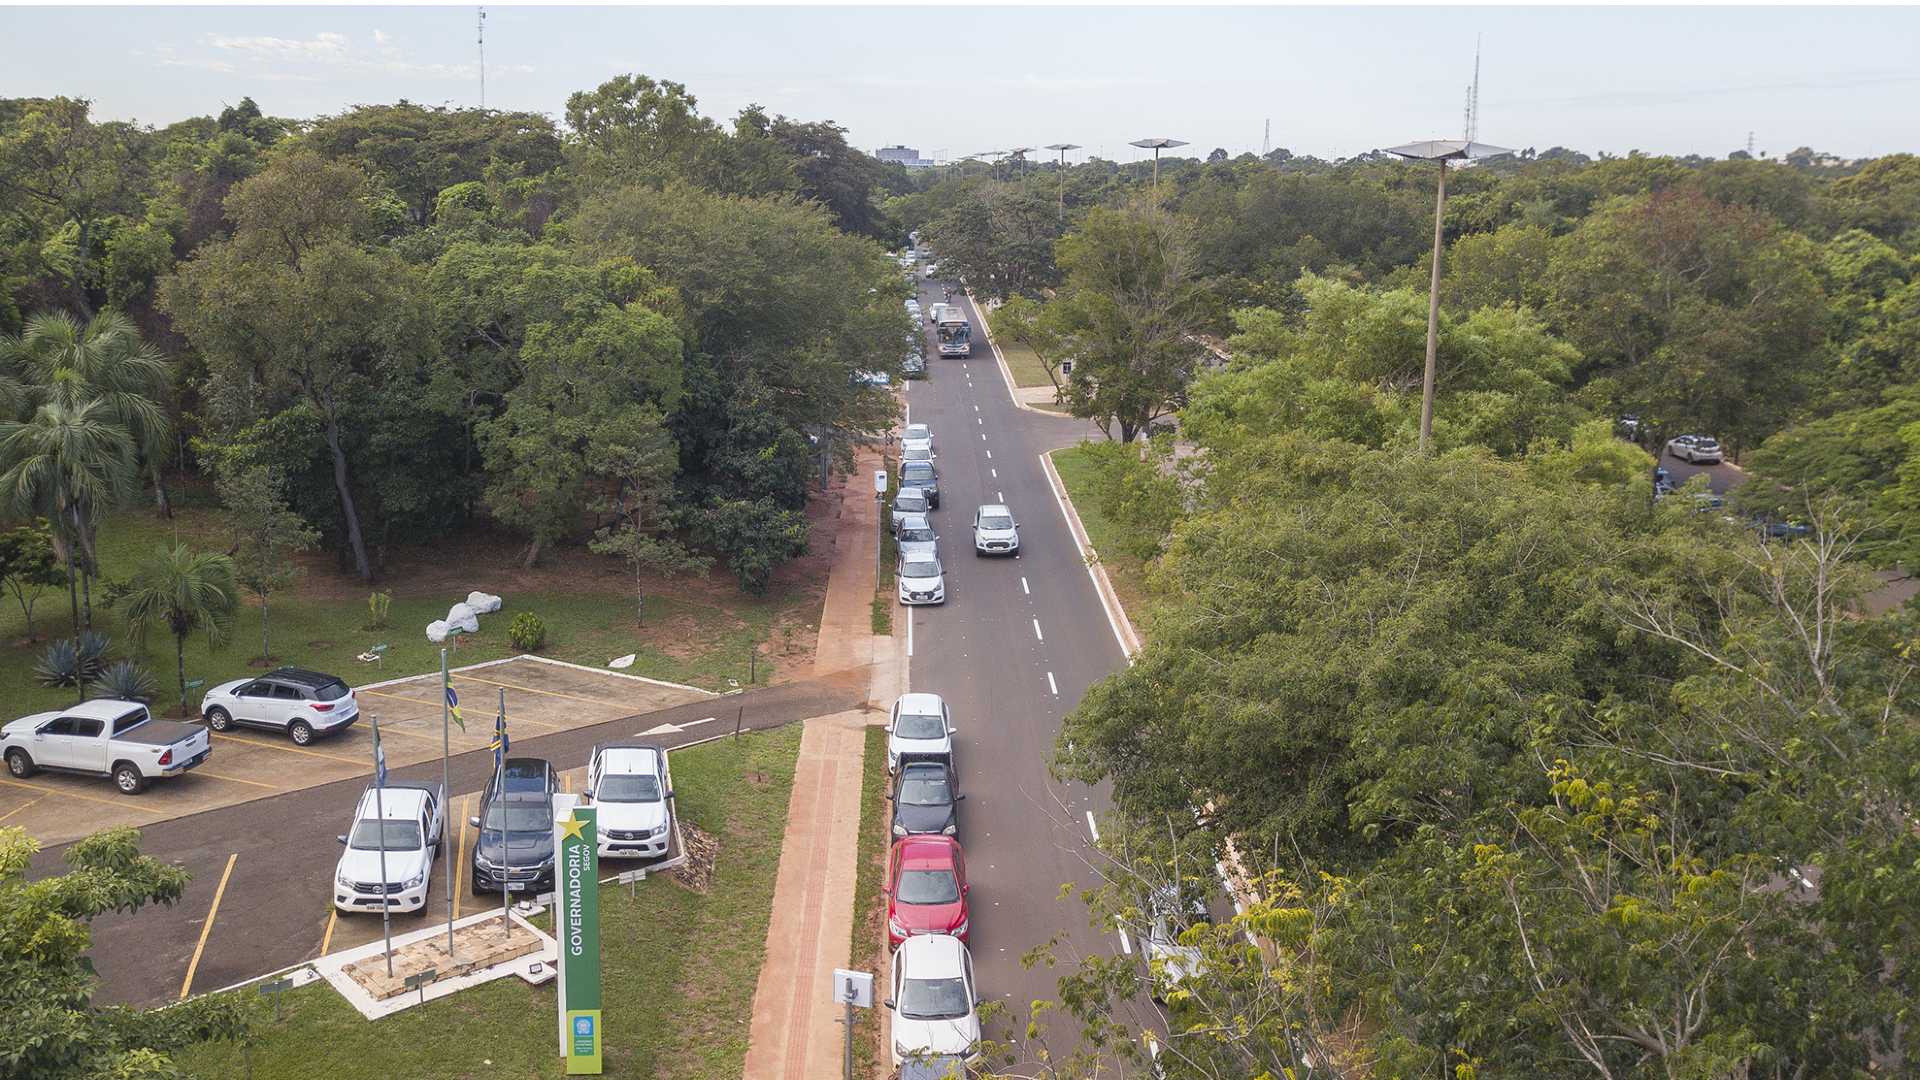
{"points": [[499, 743]]}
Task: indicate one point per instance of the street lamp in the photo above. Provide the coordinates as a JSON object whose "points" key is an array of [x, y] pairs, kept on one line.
{"points": [[1439, 151], [1062, 148], [1019, 154], [1157, 145]]}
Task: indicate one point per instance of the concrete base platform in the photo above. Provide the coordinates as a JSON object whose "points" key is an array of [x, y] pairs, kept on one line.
{"points": [[534, 964]]}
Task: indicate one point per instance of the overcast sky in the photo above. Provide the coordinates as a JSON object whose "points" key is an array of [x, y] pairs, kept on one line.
{"points": [[956, 80]]}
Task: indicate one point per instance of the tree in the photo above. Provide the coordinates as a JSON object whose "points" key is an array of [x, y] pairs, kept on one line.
{"points": [[632, 128], [103, 360], [267, 533], [1125, 316], [419, 151], [78, 173], [183, 590], [634, 454], [67, 463], [293, 310], [28, 564], [999, 239], [756, 537], [54, 1031]]}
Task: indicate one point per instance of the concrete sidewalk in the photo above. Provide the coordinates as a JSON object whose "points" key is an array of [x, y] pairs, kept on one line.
{"points": [[794, 1034]]}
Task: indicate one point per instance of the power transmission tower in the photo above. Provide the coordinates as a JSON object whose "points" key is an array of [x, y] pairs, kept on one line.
{"points": [[1266, 139], [1472, 126], [1749, 144], [482, 41]]}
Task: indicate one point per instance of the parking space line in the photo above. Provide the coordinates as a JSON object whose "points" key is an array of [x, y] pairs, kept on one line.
{"points": [[287, 749], [531, 690], [333, 919], [426, 719], [122, 803], [454, 871], [237, 780], [21, 807], [206, 928]]}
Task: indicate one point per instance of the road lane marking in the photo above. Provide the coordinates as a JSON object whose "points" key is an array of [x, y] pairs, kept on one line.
{"points": [[1091, 827], [1055, 687], [1036, 630], [983, 436], [995, 472], [1023, 587], [989, 455], [289, 749], [206, 928], [1126, 943], [980, 420], [976, 408], [326, 939], [21, 807], [999, 496]]}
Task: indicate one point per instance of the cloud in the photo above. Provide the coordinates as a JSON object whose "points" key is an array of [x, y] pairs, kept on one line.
{"points": [[324, 53], [380, 37], [324, 47]]}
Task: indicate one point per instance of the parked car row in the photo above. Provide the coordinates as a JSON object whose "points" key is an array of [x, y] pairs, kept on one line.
{"points": [[933, 998], [398, 828]]}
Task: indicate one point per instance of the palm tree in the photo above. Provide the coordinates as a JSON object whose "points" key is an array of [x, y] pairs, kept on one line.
{"points": [[186, 590], [66, 464], [103, 360]]}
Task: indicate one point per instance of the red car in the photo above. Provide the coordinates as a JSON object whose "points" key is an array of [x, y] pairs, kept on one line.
{"points": [[926, 889]]}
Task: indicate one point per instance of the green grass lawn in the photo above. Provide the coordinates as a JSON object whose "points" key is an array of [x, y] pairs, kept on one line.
{"points": [[691, 633], [867, 953], [679, 968], [1024, 363], [1129, 575]]}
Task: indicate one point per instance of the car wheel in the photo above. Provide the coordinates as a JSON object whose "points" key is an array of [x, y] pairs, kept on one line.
{"points": [[301, 732], [219, 719], [20, 764], [128, 779]]}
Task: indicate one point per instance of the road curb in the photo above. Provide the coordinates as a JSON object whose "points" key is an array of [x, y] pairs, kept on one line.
{"points": [[1006, 373]]}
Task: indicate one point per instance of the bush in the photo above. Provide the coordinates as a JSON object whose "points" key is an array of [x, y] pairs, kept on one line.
{"points": [[124, 680], [74, 661], [378, 606], [527, 633]]}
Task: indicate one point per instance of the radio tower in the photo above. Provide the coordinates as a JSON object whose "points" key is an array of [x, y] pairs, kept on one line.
{"points": [[1266, 139], [482, 41], [1472, 123]]}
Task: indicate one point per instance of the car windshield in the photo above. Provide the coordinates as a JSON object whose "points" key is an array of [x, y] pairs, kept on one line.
{"points": [[924, 536], [518, 817], [913, 504], [1706, 443], [400, 836], [917, 471], [919, 431], [928, 887], [912, 726], [333, 691], [996, 521], [955, 333], [932, 790], [934, 999], [920, 568], [917, 453], [633, 788]]}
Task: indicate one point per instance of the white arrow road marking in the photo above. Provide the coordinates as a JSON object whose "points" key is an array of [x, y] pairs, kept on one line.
{"points": [[663, 729]]}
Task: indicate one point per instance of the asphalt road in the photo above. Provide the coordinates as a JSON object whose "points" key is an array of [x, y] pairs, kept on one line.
{"points": [[275, 907], [1013, 649], [1721, 478]]}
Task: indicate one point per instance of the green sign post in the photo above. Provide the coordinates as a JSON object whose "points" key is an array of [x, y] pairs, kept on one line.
{"points": [[576, 922]]}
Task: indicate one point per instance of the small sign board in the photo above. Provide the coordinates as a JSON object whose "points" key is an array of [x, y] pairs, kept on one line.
{"points": [[420, 979], [277, 986], [545, 899], [628, 877], [879, 481], [853, 987]]}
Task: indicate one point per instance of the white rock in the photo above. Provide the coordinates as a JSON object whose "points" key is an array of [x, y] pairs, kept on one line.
{"points": [[463, 618], [483, 603], [437, 631], [622, 661]]}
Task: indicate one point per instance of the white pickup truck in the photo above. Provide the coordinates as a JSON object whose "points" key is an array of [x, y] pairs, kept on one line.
{"points": [[398, 830], [120, 739]]}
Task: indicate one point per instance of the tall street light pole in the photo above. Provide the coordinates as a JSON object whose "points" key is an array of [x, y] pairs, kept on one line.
{"points": [[1062, 148], [1157, 145], [1019, 154], [1438, 151]]}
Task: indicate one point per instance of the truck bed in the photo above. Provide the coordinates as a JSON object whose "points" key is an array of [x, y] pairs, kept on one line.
{"points": [[158, 733]]}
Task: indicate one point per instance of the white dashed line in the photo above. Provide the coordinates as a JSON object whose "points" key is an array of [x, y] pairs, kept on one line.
{"points": [[976, 408], [981, 420], [1023, 587], [1092, 828], [1055, 687], [995, 472], [1036, 630], [989, 455], [983, 436], [999, 496]]}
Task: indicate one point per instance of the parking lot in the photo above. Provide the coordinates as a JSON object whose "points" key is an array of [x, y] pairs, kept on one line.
{"points": [[541, 697]]}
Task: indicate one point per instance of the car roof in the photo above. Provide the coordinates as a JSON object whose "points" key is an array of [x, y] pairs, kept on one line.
{"points": [[916, 852], [925, 768], [941, 952], [994, 508], [910, 492], [916, 466], [915, 521], [518, 771], [629, 758], [920, 704], [100, 709], [921, 557], [394, 802], [315, 679]]}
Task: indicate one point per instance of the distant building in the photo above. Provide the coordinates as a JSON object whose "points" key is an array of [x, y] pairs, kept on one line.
{"points": [[903, 155]]}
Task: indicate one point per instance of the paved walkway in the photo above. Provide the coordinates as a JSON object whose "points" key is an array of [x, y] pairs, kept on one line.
{"points": [[794, 1034]]}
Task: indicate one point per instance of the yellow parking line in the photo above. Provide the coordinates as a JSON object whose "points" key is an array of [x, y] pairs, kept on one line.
{"points": [[289, 749], [21, 807], [454, 872], [70, 794], [603, 703], [186, 984], [237, 780], [326, 940]]}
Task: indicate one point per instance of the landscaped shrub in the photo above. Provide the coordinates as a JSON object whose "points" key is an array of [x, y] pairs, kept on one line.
{"points": [[378, 606], [125, 680], [74, 661], [527, 633]]}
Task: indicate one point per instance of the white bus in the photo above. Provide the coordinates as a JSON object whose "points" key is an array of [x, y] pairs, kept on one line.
{"points": [[955, 333]]}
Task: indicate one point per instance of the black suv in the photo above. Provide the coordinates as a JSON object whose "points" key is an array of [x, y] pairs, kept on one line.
{"points": [[920, 474], [514, 852]]}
